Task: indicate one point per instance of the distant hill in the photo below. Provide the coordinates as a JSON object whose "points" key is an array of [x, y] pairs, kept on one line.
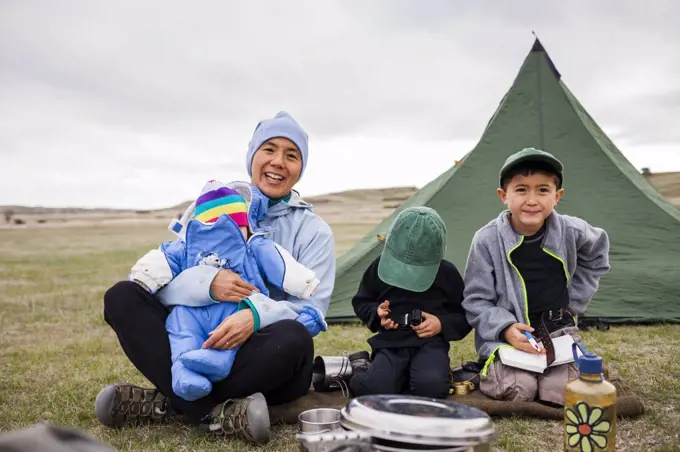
{"points": [[39, 210], [668, 184], [392, 194]]}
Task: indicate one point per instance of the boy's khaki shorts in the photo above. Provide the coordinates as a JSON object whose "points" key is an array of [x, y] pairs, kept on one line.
{"points": [[509, 383]]}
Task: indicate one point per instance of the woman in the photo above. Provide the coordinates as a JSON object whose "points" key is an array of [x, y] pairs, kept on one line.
{"points": [[274, 363]]}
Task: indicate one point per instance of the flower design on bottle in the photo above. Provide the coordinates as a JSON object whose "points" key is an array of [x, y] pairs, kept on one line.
{"points": [[585, 427]]}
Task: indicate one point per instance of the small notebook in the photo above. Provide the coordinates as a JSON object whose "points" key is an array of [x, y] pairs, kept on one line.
{"points": [[512, 357]]}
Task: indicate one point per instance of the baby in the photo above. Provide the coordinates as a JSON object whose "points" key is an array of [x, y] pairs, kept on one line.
{"points": [[218, 229]]}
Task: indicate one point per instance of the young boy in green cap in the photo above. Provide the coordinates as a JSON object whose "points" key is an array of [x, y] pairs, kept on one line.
{"points": [[530, 270], [411, 297]]}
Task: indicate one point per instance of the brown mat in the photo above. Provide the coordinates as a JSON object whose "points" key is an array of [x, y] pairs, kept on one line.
{"points": [[628, 405]]}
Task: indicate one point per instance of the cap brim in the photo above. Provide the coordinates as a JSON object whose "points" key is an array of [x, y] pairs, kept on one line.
{"points": [[416, 278], [556, 165]]}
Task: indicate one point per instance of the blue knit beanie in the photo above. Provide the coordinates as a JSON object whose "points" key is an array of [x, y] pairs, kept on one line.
{"points": [[280, 126]]}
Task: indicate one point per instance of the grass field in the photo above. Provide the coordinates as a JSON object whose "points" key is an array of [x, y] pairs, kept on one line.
{"points": [[56, 352]]}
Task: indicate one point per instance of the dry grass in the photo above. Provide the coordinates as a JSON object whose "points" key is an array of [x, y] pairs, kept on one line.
{"points": [[668, 184], [57, 352]]}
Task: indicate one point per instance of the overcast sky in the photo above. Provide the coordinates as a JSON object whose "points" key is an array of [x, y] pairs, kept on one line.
{"points": [[136, 104]]}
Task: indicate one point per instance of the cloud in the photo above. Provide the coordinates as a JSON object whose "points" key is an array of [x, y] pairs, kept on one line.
{"points": [[135, 104]]}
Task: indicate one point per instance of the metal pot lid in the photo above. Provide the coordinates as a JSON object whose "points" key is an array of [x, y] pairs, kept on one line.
{"points": [[417, 420]]}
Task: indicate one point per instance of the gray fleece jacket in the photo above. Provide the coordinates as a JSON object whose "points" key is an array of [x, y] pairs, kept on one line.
{"points": [[495, 295]]}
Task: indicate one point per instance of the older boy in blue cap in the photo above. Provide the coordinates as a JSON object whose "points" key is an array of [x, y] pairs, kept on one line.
{"points": [[411, 297], [530, 269]]}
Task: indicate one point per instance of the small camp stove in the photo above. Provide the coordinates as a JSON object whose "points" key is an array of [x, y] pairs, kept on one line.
{"points": [[405, 423]]}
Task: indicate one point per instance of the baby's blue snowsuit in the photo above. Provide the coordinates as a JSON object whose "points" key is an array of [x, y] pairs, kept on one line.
{"points": [[222, 245]]}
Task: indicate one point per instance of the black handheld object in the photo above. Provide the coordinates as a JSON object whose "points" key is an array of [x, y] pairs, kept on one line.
{"points": [[413, 318], [416, 317]]}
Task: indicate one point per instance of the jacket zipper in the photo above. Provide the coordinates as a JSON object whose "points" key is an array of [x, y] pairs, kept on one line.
{"points": [[566, 274], [492, 357], [264, 232], [524, 287], [564, 265]]}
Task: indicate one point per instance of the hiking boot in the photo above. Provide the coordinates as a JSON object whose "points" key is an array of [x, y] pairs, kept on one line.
{"points": [[125, 404], [359, 361], [247, 418]]}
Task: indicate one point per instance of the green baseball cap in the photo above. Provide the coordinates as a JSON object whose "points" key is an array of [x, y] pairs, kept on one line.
{"points": [[533, 155], [414, 248]]}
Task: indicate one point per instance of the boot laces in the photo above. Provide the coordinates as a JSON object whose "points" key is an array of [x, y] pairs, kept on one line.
{"points": [[232, 418], [140, 403]]}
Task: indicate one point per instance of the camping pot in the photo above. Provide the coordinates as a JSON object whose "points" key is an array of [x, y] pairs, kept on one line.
{"points": [[338, 441], [319, 420], [402, 423], [407, 423], [330, 372]]}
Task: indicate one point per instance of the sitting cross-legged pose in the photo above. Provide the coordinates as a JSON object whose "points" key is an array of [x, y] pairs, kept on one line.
{"points": [[274, 335], [219, 229]]}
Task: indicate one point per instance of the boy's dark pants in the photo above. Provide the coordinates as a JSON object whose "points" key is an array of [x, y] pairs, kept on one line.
{"points": [[422, 371]]}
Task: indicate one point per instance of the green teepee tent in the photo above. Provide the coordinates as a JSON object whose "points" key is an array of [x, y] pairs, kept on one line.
{"points": [[601, 186]]}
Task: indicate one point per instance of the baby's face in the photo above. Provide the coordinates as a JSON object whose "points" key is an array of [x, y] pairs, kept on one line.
{"points": [[244, 231]]}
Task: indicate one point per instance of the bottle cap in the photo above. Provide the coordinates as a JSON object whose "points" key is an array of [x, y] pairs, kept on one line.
{"points": [[590, 364]]}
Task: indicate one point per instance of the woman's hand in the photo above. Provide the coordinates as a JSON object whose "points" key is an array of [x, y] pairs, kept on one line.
{"points": [[232, 332], [228, 286], [430, 326]]}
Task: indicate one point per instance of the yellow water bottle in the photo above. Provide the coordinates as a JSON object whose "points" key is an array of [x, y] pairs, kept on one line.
{"points": [[589, 407]]}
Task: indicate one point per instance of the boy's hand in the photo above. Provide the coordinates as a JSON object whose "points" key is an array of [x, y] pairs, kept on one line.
{"points": [[383, 312], [430, 326], [515, 337]]}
